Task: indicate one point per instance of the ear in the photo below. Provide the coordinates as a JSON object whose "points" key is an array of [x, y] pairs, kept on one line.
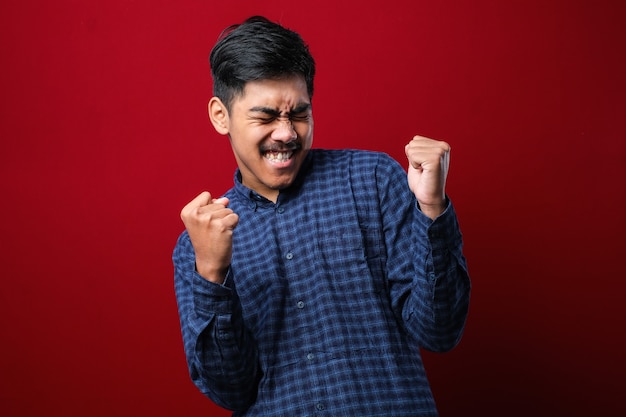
{"points": [[219, 116]]}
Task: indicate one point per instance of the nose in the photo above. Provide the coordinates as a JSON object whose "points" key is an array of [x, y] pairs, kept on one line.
{"points": [[284, 131]]}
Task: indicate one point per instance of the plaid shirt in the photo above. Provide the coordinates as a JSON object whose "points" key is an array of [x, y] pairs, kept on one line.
{"points": [[330, 295]]}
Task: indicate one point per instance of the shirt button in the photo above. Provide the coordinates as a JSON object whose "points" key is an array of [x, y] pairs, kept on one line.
{"points": [[320, 406], [289, 255], [281, 210], [432, 276], [310, 356], [300, 304]]}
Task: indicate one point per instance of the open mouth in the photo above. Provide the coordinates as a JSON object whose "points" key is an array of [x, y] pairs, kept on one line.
{"points": [[280, 153], [281, 156]]}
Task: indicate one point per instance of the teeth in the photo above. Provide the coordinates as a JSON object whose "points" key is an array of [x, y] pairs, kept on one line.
{"points": [[278, 156]]}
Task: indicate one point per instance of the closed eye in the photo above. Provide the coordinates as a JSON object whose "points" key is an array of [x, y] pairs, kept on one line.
{"points": [[265, 120], [301, 117], [302, 113], [266, 115]]}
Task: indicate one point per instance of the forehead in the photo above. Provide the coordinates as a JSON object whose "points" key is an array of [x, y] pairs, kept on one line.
{"points": [[281, 94]]}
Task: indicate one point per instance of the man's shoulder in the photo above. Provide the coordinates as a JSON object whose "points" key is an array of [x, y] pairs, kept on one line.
{"points": [[353, 161], [348, 156]]}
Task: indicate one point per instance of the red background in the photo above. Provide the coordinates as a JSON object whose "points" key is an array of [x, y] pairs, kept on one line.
{"points": [[104, 137]]}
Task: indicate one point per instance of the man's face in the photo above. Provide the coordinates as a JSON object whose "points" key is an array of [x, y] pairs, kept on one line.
{"points": [[271, 131]]}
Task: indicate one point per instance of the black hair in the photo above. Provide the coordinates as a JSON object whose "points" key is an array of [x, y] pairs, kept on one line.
{"points": [[257, 49]]}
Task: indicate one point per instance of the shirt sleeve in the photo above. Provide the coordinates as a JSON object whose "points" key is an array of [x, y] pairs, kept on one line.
{"points": [[427, 273], [220, 352]]}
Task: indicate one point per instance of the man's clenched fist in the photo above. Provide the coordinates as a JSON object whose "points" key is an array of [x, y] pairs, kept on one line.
{"points": [[428, 168], [210, 224]]}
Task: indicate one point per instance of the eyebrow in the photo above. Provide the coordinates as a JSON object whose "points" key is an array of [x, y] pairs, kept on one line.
{"points": [[276, 113]]}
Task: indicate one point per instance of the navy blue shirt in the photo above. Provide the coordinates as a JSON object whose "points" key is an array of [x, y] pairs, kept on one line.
{"points": [[331, 293]]}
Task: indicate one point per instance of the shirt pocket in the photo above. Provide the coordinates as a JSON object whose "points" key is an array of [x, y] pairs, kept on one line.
{"points": [[345, 262]]}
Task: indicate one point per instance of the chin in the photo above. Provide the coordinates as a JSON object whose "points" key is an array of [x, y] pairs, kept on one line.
{"points": [[281, 185]]}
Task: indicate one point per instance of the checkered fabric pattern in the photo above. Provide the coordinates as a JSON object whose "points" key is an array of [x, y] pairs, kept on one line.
{"points": [[331, 294]]}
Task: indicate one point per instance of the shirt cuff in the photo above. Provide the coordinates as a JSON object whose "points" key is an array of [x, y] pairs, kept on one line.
{"points": [[211, 298], [427, 221], [443, 231]]}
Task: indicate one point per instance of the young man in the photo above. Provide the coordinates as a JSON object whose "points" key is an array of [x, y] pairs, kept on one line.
{"points": [[310, 287]]}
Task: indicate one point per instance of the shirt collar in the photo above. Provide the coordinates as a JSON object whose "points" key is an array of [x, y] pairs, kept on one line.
{"points": [[258, 200]]}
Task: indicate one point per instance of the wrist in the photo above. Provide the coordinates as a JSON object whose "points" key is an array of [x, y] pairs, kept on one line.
{"points": [[215, 275], [433, 210]]}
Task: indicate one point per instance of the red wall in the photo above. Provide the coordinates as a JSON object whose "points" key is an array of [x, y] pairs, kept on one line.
{"points": [[104, 137]]}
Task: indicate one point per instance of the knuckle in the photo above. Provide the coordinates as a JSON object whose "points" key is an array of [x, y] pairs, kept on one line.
{"points": [[184, 213]]}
